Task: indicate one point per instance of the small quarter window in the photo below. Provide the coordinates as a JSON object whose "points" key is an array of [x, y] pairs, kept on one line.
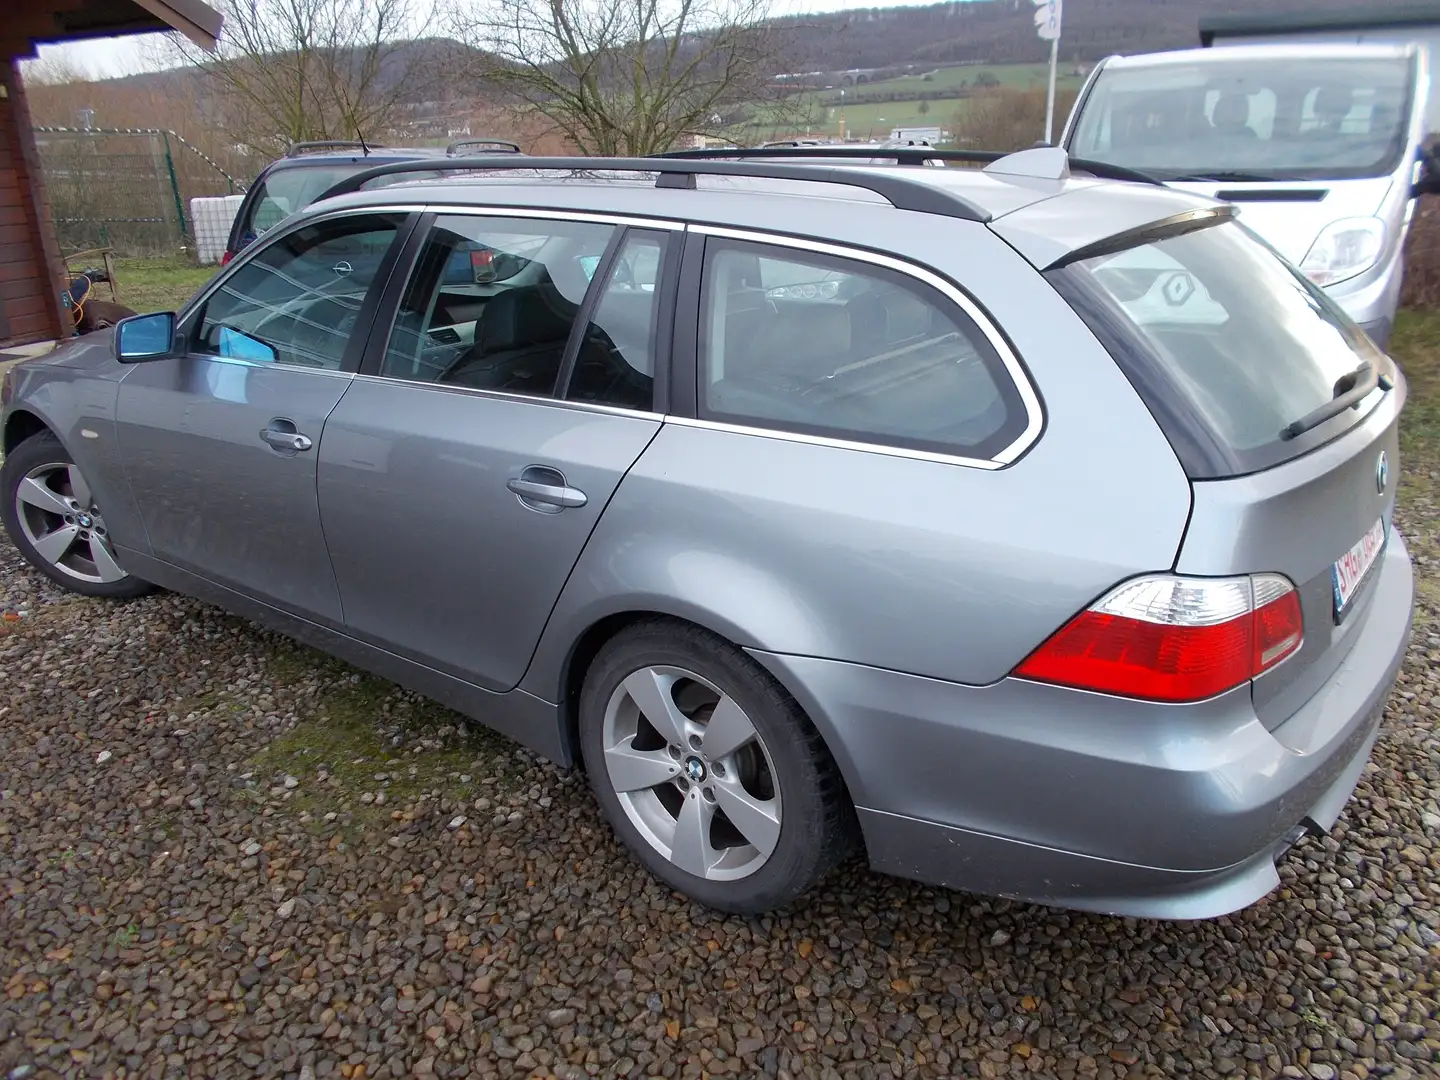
{"points": [[842, 348], [616, 361]]}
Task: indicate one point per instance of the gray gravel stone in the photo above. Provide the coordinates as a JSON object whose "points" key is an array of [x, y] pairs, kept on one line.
{"points": [[315, 931]]}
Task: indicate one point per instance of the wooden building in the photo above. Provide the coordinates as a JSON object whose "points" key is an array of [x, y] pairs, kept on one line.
{"points": [[31, 271]]}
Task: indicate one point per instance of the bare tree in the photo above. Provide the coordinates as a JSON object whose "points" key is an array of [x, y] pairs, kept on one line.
{"points": [[631, 77], [288, 70]]}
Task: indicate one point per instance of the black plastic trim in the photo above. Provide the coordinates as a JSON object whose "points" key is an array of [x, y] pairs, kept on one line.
{"points": [[685, 335], [372, 361], [586, 311], [1176, 225], [901, 155], [1272, 194]]}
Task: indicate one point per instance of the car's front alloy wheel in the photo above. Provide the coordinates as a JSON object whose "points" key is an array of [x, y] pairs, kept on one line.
{"points": [[708, 770], [51, 515]]}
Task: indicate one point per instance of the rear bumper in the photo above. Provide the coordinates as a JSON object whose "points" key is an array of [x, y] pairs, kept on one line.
{"points": [[1091, 802]]}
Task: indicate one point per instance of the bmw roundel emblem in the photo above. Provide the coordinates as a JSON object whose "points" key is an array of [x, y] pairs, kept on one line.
{"points": [[1382, 473]]}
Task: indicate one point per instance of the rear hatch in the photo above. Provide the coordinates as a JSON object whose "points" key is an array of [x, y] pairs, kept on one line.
{"points": [[1283, 414]]}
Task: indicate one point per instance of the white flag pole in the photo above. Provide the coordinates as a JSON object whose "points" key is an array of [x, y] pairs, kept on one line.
{"points": [[1050, 96]]}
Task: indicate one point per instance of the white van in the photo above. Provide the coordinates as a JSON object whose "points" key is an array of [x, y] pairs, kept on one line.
{"points": [[1318, 144]]}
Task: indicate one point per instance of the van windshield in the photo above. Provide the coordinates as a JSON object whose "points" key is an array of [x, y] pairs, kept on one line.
{"points": [[1251, 118]]}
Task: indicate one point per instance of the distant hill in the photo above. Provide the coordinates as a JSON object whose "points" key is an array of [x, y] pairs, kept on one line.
{"points": [[1003, 31], [969, 31]]}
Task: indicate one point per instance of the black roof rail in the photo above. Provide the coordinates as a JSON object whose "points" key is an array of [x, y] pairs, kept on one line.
{"points": [[904, 155], [902, 192], [499, 144], [296, 149]]}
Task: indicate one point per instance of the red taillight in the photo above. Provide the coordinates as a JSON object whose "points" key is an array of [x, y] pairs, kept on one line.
{"points": [[481, 258], [1174, 638], [225, 259]]}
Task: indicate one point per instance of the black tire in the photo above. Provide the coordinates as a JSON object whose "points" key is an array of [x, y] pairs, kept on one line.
{"points": [[817, 822], [42, 449]]}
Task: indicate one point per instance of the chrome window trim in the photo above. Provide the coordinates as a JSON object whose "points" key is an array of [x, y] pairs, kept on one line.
{"points": [[502, 211], [270, 365], [506, 395], [884, 449], [1034, 414]]}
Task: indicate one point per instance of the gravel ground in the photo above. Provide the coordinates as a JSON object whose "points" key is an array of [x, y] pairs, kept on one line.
{"points": [[223, 856]]}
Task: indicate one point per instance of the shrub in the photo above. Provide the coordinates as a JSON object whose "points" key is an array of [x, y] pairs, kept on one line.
{"points": [[1422, 256], [1008, 119]]}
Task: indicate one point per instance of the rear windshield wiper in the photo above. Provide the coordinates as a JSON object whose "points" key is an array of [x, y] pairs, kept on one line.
{"points": [[1350, 389]]}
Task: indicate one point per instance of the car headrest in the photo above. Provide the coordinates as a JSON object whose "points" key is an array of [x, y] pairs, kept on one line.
{"points": [[530, 315]]}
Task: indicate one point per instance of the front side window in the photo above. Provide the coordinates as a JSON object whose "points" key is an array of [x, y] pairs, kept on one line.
{"points": [[1240, 119], [841, 348], [296, 301], [492, 302]]}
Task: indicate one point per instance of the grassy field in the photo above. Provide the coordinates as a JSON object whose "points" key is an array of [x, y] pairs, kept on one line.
{"points": [[157, 284], [874, 120]]}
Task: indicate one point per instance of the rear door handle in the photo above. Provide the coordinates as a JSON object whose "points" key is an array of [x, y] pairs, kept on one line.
{"points": [[542, 488], [281, 435]]}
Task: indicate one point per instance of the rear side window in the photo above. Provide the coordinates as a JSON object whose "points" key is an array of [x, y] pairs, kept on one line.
{"points": [[842, 348], [1226, 343]]}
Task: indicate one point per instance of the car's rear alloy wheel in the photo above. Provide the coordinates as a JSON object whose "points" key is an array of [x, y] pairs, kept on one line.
{"points": [[691, 773], [53, 518], [709, 770]]}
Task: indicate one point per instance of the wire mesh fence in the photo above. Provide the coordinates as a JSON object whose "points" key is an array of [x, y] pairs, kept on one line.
{"points": [[126, 188]]}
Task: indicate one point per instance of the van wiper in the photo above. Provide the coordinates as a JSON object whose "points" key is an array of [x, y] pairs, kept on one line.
{"points": [[1230, 176], [1350, 389]]}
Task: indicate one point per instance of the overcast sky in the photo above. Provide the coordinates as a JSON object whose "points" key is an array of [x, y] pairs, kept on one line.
{"points": [[125, 56]]}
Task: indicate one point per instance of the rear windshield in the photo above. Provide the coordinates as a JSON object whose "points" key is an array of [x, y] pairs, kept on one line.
{"points": [[287, 190], [1250, 118], [1227, 344]]}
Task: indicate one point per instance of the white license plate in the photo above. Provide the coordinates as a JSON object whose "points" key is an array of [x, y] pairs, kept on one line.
{"points": [[1350, 569]]}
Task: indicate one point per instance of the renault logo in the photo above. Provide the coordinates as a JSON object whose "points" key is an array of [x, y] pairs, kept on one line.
{"points": [[1382, 473]]}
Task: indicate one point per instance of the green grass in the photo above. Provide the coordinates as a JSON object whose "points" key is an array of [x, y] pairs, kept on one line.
{"points": [[875, 120], [1013, 76], [1416, 347], [336, 752], [162, 283]]}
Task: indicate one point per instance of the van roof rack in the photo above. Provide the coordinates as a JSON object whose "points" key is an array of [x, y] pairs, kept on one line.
{"points": [[915, 155], [298, 148], [481, 140], [902, 192]]}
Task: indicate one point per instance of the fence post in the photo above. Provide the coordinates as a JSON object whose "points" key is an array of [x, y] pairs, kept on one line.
{"points": [[175, 187]]}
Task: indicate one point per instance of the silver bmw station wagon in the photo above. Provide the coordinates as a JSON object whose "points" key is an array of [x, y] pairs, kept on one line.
{"points": [[1023, 529]]}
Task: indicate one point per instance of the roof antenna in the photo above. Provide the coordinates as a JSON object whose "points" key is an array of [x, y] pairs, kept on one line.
{"points": [[361, 136]]}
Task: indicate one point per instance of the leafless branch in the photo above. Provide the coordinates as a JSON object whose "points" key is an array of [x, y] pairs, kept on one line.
{"points": [[628, 77], [290, 70]]}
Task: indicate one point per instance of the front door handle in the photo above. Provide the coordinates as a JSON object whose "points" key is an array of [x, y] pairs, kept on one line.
{"points": [[282, 436], [542, 488]]}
